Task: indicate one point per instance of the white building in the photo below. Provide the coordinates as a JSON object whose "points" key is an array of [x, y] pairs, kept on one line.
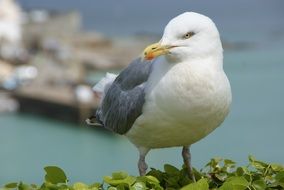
{"points": [[10, 22]]}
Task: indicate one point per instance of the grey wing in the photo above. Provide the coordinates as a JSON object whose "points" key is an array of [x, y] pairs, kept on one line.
{"points": [[125, 98]]}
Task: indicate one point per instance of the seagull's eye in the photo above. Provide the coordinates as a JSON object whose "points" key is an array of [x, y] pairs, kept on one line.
{"points": [[188, 35]]}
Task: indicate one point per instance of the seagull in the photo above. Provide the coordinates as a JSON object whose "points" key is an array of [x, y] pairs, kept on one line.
{"points": [[173, 95]]}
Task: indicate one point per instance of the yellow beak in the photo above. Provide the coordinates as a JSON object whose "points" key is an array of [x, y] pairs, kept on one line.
{"points": [[155, 50]]}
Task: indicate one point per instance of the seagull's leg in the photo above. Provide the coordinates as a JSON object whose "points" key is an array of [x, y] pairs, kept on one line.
{"points": [[142, 166], [187, 161]]}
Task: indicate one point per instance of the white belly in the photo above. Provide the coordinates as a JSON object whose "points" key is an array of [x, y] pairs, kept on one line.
{"points": [[181, 107]]}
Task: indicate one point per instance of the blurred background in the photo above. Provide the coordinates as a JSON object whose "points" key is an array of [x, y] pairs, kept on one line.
{"points": [[53, 52]]}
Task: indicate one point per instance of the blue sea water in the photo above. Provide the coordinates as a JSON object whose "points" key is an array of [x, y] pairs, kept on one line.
{"points": [[254, 126]]}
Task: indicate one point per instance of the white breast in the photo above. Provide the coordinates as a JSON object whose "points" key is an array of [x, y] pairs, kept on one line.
{"points": [[184, 103]]}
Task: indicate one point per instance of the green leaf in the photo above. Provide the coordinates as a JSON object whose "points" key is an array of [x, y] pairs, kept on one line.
{"points": [[228, 165], [11, 185], [172, 181], [119, 178], [34, 186], [229, 162], [240, 171], [23, 186], [221, 176], [257, 164], [122, 187], [277, 167], [152, 179], [218, 174], [47, 186], [112, 188], [197, 174], [93, 188], [280, 179], [202, 184], [151, 182], [235, 183], [259, 184], [119, 175], [171, 170], [80, 186], [251, 158], [95, 185], [138, 186], [156, 173], [214, 162], [55, 175]]}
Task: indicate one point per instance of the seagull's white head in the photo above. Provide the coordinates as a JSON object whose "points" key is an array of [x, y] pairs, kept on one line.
{"points": [[189, 35]]}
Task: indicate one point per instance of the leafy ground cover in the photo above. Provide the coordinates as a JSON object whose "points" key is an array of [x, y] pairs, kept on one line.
{"points": [[218, 174]]}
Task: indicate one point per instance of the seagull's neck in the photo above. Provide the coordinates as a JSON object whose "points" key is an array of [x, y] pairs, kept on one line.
{"points": [[213, 61]]}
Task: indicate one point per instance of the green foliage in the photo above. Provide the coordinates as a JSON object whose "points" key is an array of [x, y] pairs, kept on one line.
{"points": [[218, 174], [201, 184], [55, 175]]}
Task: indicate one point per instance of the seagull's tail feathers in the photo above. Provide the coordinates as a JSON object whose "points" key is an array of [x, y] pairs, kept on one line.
{"points": [[100, 89], [103, 85]]}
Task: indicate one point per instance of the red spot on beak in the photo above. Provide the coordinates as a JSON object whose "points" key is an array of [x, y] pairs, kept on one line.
{"points": [[149, 57]]}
